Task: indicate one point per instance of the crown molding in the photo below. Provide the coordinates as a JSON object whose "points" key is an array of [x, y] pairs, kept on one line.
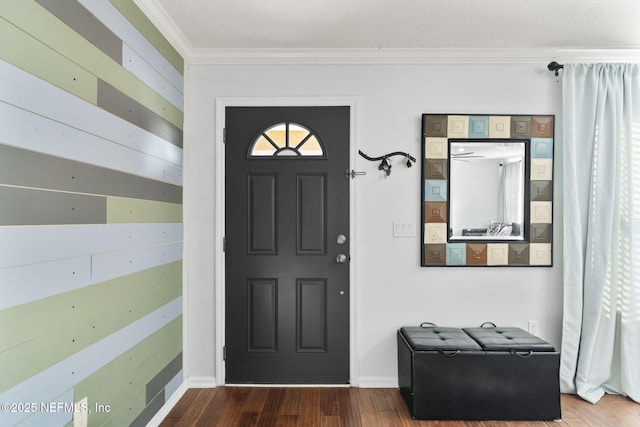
{"points": [[409, 56], [165, 24]]}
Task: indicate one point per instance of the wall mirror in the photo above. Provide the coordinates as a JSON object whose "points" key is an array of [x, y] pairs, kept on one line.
{"points": [[487, 190]]}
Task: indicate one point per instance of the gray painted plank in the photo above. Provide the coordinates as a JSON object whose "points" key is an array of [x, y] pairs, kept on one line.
{"points": [[24, 206], [160, 381], [87, 25], [147, 413], [27, 168], [116, 102]]}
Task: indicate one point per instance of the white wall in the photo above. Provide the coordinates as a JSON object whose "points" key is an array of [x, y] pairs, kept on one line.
{"points": [[391, 288]]}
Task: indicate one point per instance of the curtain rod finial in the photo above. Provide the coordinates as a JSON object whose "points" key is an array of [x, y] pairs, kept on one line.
{"points": [[554, 66]]}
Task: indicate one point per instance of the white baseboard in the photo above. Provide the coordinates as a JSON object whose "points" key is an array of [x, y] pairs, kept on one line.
{"points": [[202, 382], [363, 382], [168, 406], [378, 382], [278, 385]]}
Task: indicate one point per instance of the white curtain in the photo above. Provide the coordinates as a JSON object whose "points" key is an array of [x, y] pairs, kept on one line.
{"points": [[601, 325], [511, 192]]}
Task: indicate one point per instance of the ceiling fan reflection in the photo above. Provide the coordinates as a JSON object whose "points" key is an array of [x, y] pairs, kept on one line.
{"points": [[462, 157]]}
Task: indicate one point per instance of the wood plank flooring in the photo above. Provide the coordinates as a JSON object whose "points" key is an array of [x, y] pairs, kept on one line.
{"points": [[359, 407]]}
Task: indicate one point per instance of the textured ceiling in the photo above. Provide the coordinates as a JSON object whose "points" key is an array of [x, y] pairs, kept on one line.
{"points": [[400, 24]]}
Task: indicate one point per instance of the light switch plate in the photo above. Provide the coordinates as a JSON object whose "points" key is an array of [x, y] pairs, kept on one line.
{"points": [[404, 229]]}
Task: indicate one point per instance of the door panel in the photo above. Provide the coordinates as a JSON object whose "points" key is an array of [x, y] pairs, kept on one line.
{"points": [[263, 314], [287, 200], [311, 219], [262, 214], [312, 315]]}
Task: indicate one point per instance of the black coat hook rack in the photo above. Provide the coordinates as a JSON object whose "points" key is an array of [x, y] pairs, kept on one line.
{"points": [[385, 164]]}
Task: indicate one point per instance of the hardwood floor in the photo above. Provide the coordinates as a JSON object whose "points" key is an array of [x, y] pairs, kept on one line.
{"points": [[346, 407]]}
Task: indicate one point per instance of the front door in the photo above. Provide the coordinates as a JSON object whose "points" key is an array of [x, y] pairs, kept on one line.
{"points": [[287, 245]]}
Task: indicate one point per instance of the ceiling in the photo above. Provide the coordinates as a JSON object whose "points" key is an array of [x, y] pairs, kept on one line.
{"points": [[223, 25]]}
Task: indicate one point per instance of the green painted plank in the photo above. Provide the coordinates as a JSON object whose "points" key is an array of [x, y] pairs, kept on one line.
{"points": [[42, 317], [36, 355], [122, 382], [139, 20], [32, 56], [122, 210], [41, 24], [125, 375], [127, 412], [148, 412]]}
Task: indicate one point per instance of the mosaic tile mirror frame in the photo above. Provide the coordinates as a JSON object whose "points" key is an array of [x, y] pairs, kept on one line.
{"points": [[534, 245]]}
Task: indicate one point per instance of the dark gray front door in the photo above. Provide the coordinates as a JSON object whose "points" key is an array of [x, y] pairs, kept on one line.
{"points": [[287, 245]]}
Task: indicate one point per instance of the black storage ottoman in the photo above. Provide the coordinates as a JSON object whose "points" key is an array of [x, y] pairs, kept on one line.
{"points": [[494, 373]]}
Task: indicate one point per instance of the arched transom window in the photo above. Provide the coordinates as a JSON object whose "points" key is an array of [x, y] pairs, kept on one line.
{"points": [[287, 139]]}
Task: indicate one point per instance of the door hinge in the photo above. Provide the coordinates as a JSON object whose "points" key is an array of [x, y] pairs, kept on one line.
{"points": [[224, 244], [224, 135], [224, 352]]}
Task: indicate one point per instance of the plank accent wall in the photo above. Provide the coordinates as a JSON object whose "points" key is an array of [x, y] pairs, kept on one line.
{"points": [[91, 233]]}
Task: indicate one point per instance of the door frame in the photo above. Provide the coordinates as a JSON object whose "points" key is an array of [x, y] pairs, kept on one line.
{"points": [[219, 216]]}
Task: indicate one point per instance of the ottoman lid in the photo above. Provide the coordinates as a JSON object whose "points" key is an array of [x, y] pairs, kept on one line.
{"points": [[507, 338], [438, 338]]}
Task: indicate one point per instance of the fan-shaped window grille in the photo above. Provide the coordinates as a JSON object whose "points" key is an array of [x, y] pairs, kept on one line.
{"points": [[287, 139]]}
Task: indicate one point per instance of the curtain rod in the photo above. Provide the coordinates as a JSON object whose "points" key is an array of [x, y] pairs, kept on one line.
{"points": [[554, 66]]}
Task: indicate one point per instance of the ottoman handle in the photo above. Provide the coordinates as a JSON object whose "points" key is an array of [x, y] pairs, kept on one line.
{"points": [[493, 325], [526, 355], [450, 353], [428, 325]]}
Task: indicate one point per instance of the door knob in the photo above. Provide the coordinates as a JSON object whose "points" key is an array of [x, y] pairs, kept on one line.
{"points": [[341, 258]]}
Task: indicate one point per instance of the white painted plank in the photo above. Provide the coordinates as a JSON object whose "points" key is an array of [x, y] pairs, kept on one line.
{"points": [[20, 285], [24, 129], [27, 283], [28, 92], [30, 245], [52, 382], [121, 27], [145, 72], [116, 264]]}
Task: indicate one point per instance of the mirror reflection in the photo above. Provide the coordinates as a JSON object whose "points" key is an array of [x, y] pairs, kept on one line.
{"points": [[486, 190]]}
